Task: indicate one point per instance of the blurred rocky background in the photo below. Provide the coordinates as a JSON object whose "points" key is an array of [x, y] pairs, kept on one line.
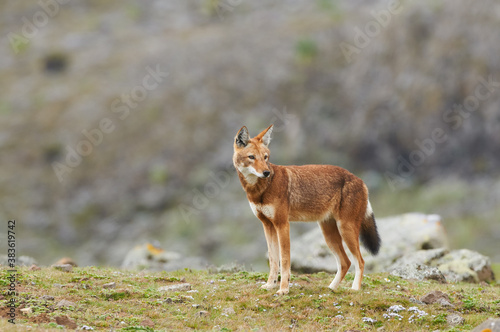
{"points": [[117, 117]]}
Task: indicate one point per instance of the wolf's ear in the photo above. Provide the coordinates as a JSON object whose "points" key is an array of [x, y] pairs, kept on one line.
{"points": [[266, 135], [242, 137]]}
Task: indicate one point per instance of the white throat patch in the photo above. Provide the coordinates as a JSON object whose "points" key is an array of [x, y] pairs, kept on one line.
{"points": [[250, 174]]}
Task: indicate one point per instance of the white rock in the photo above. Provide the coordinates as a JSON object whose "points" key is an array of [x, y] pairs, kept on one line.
{"points": [[400, 235], [26, 311], [176, 288]]}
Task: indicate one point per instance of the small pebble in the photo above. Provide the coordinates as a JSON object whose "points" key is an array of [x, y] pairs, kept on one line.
{"points": [[176, 288], [63, 267], [26, 311], [65, 303], [203, 313]]}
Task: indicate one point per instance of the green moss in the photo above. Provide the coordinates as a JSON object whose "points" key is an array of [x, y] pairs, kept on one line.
{"points": [[306, 50], [116, 295], [158, 174], [440, 319]]}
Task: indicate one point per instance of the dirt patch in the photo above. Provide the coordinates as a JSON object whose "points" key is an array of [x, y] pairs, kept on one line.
{"points": [[5, 312], [148, 322], [40, 319], [65, 321]]}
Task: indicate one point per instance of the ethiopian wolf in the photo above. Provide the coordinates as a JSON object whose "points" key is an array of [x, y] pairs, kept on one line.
{"points": [[329, 195]]}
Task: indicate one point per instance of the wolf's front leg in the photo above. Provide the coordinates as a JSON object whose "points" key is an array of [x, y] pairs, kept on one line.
{"points": [[283, 229], [273, 250]]}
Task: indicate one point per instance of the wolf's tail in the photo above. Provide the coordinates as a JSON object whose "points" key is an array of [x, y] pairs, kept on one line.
{"points": [[369, 234]]}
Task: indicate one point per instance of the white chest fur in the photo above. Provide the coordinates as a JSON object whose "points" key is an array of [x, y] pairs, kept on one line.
{"points": [[266, 209]]}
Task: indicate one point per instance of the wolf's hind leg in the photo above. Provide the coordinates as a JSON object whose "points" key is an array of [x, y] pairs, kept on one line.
{"points": [[334, 242]]}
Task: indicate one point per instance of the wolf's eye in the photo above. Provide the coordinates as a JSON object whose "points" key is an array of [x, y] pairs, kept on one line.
{"points": [[265, 157], [251, 157]]}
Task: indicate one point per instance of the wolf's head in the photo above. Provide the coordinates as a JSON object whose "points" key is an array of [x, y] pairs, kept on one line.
{"points": [[251, 155]]}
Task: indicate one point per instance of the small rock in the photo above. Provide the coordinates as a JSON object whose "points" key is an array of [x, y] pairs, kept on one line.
{"points": [[229, 311], [58, 286], [466, 266], [168, 300], [417, 272], [455, 319], [109, 285], [63, 267], [436, 297], [491, 324], [456, 266], [176, 288], [47, 298], [65, 261], [414, 300], [444, 303], [226, 268], [148, 323], [65, 321], [65, 304], [26, 311], [34, 267], [202, 313]]}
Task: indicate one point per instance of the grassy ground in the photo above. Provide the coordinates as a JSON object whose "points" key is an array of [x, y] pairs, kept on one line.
{"points": [[234, 301]]}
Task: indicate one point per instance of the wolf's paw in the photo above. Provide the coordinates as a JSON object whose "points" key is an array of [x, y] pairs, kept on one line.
{"points": [[282, 292], [356, 287], [333, 287], [268, 286]]}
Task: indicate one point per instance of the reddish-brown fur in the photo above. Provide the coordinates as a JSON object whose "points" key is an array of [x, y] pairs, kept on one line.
{"points": [[330, 195]]}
